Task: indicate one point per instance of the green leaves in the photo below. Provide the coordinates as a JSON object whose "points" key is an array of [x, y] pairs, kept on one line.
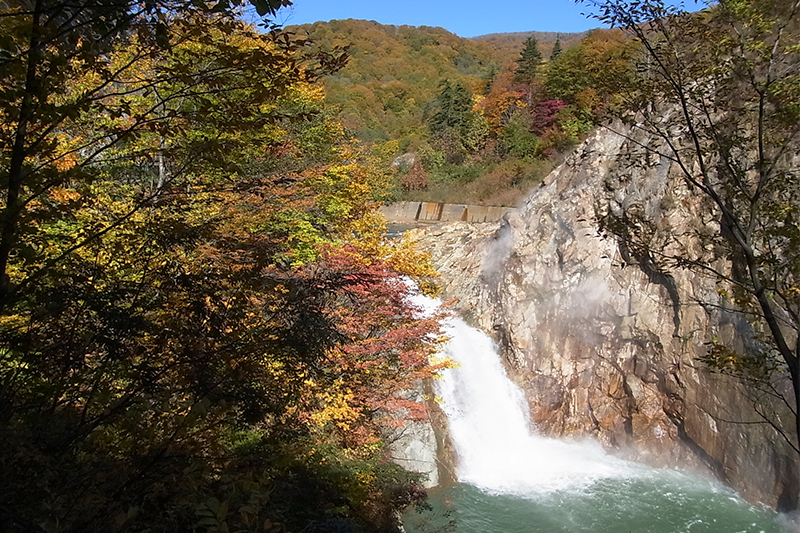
{"points": [[194, 262], [269, 7], [211, 515], [528, 62]]}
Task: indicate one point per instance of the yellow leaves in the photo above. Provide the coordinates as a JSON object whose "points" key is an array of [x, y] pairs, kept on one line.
{"points": [[587, 99], [793, 291], [307, 93], [367, 234], [439, 363], [406, 259], [387, 150], [13, 322], [67, 162], [337, 409], [366, 478], [63, 152], [347, 193], [281, 289]]}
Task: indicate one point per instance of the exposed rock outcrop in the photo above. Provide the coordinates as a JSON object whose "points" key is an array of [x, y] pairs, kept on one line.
{"points": [[414, 448], [608, 345], [404, 161]]}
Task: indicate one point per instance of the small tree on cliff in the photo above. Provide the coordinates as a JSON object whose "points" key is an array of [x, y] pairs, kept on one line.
{"points": [[719, 90]]}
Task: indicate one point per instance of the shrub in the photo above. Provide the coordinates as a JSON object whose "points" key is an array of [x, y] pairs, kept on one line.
{"points": [[416, 179], [516, 139]]}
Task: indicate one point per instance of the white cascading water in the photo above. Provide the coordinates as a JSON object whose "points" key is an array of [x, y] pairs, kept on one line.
{"points": [[565, 486], [497, 449]]}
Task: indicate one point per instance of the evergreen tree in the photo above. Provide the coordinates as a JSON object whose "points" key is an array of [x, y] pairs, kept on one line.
{"points": [[528, 62], [556, 49], [454, 107], [488, 81], [456, 129]]}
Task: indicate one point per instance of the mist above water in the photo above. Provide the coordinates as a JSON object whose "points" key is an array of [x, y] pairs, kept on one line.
{"points": [[497, 449], [512, 479]]}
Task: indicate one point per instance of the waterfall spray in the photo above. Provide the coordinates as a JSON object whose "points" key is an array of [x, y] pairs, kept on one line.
{"points": [[512, 479]]}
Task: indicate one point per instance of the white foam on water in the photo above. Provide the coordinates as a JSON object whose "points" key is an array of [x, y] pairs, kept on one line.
{"points": [[497, 448]]}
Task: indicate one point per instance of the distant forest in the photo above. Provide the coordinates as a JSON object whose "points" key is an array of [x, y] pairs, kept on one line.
{"points": [[485, 118]]}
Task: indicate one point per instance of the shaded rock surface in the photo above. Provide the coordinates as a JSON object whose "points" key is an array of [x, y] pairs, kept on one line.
{"points": [[603, 345], [415, 449]]}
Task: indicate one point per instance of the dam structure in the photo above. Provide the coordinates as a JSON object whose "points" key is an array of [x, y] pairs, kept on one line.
{"points": [[441, 212]]}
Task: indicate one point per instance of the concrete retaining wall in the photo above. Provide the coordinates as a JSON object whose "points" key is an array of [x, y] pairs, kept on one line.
{"points": [[436, 212]]}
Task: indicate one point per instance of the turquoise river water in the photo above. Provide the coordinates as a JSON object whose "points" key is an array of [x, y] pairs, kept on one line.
{"points": [[512, 480]]}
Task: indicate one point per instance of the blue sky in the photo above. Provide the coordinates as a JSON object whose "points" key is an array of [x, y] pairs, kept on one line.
{"points": [[467, 18]]}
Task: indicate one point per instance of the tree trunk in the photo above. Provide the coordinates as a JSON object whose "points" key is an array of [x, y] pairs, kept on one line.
{"points": [[162, 168], [16, 171]]}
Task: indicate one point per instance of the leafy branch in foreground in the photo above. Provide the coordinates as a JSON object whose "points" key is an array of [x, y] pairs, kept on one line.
{"points": [[202, 325]]}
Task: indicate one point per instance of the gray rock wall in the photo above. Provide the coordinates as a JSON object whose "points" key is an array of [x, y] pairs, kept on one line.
{"points": [[607, 348], [414, 448]]}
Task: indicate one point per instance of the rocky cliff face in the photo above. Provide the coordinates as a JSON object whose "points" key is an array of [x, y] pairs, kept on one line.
{"points": [[605, 345]]}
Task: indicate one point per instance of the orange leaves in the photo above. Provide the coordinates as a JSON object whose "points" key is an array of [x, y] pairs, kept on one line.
{"points": [[66, 162], [503, 98], [383, 347], [63, 196]]}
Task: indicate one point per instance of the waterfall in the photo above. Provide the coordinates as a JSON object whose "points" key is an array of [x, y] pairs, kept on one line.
{"points": [[498, 449], [512, 479]]}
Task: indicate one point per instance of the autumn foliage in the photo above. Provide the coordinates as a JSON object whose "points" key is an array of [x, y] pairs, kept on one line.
{"points": [[471, 108], [203, 326]]}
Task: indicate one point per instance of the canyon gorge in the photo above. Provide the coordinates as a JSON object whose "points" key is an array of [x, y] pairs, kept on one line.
{"points": [[608, 344]]}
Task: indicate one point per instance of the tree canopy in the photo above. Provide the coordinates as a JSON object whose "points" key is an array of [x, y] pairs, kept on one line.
{"points": [[202, 325], [529, 62]]}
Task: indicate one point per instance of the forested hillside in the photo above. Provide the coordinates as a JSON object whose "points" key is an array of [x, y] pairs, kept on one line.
{"points": [[483, 120], [393, 73], [512, 43]]}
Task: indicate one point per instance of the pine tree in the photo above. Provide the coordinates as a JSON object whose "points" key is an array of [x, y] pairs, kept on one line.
{"points": [[457, 130], [556, 49], [528, 62], [454, 107], [488, 81]]}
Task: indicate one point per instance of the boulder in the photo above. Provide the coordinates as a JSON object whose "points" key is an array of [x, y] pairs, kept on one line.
{"points": [[405, 161]]}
